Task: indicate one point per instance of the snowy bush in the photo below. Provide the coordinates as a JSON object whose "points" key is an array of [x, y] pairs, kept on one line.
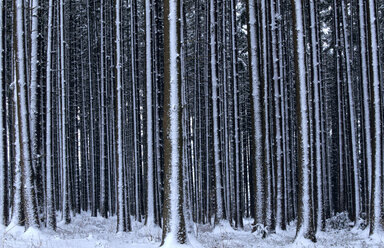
{"points": [[260, 229], [339, 221]]}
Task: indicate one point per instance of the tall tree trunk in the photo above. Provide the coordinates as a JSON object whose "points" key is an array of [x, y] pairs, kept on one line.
{"points": [[174, 225], [50, 208], [256, 110], [352, 118], [123, 221], [215, 111], [317, 120], [65, 166], [150, 172], [3, 140], [23, 118], [366, 96], [305, 227], [376, 197]]}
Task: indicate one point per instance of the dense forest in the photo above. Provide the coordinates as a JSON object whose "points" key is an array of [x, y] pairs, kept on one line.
{"points": [[177, 112]]}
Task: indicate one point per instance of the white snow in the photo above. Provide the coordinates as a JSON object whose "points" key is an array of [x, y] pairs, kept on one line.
{"points": [[86, 231]]}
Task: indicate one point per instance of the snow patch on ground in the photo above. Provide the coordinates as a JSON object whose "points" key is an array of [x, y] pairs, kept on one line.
{"points": [[96, 232]]}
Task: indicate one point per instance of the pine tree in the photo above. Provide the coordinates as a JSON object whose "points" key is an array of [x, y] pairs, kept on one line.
{"points": [[173, 222]]}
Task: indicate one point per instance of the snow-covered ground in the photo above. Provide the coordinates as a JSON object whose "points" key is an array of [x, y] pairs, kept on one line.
{"points": [[89, 232]]}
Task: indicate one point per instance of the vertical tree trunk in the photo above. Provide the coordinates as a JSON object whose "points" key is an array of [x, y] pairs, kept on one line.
{"points": [[376, 197], [65, 179], [352, 118], [33, 108], [305, 227], [277, 125], [174, 225], [239, 219], [150, 172], [256, 110], [215, 111], [122, 225], [317, 130], [22, 117], [18, 214], [366, 96], [50, 208], [3, 140], [103, 158]]}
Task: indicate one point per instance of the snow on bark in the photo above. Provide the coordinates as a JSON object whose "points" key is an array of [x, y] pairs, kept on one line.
{"points": [[257, 109], [91, 112], [236, 111], [50, 210], [17, 203], [366, 95], [22, 116], [377, 132], [219, 201], [33, 84], [266, 137], [102, 128], [352, 117], [304, 225], [174, 225], [278, 135], [2, 130], [174, 117], [66, 207], [120, 184], [148, 51], [135, 153], [316, 89]]}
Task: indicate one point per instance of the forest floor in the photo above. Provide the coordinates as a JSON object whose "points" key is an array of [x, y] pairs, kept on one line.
{"points": [[94, 232]]}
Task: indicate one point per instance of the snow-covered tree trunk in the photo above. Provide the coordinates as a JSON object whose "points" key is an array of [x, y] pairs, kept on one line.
{"points": [[227, 191], [23, 118], [366, 95], [239, 217], [50, 208], [18, 216], [317, 127], [282, 72], [91, 112], [215, 111], [121, 218], [340, 116], [256, 110], [65, 180], [103, 193], [278, 135], [305, 228], [135, 111], [148, 67], [376, 197], [33, 112], [267, 163], [3, 145], [352, 118], [174, 226]]}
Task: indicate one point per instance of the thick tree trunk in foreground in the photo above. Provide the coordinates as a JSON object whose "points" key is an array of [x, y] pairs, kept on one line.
{"points": [[305, 228], [174, 224]]}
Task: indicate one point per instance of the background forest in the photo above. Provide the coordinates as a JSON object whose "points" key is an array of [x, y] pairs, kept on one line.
{"points": [[190, 111]]}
